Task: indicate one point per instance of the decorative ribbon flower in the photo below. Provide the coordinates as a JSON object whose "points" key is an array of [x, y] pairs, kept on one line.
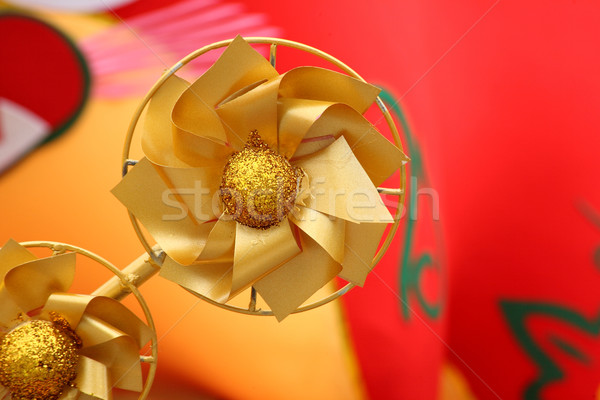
{"points": [[56, 345], [252, 178]]}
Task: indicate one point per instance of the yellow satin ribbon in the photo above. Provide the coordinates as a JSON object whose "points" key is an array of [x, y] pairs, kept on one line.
{"points": [[313, 117], [112, 335]]}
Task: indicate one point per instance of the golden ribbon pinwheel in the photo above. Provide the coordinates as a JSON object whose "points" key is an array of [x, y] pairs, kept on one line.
{"points": [[252, 178], [56, 345]]}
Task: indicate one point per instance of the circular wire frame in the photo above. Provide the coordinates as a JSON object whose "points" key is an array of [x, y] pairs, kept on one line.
{"points": [[59, 248], [273, 42]]}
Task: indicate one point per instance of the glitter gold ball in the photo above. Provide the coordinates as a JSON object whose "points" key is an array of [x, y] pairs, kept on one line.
{"points": [[259, 186], [38, 359]]}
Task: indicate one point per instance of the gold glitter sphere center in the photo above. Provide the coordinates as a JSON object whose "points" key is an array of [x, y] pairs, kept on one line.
{"points": [[259, 186], [38, 359]]}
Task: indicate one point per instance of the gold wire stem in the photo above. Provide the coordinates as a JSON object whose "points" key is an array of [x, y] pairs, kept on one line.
{"points": [[135, 274], [60, 248], [390, 191], [274, 43]]}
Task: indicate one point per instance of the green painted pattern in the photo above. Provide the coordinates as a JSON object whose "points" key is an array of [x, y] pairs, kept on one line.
{"points": [[518, 312], [412, 266], [569, 349]]}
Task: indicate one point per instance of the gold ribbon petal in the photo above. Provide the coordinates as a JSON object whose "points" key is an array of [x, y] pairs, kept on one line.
{"points": [[340, 187], [74, 306], [69, 394], [290, 285], [239, 66], [258, 252], [313, 83], [208, 148], [114, 313], [361, 244], [220, 243], [31, 284], [196, 188], [211, 275], [198, 128], [376, 154], [3, 392], [144, 192], [200, 151], [85, 396], [312, 145], [70, 306], [253, 110], [113, 348], [195, 115], [326, 231], [93, 379], [295, 117], [157, 137], [210, 279], [93, 331], [121, 356], [13, 254], [9, 310]]}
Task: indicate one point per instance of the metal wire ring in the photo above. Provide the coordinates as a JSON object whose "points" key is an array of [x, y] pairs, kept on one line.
{"points": [[273, 42], [59, 248]]}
